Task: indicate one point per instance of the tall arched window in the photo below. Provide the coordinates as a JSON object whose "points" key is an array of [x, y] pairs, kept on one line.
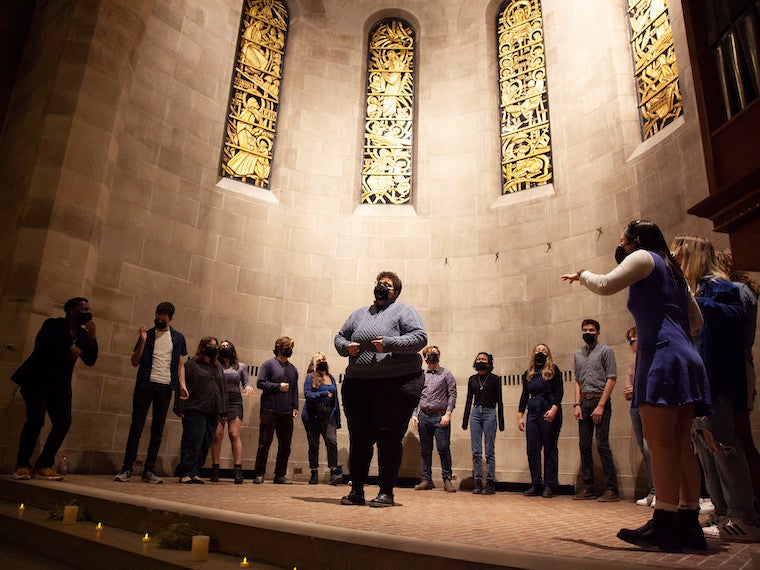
{"points": [[388, 123], [526, 159], [655, 65], [255, 93]]}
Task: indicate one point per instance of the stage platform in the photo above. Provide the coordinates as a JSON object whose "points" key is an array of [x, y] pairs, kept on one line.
{"points": [[304, 526]]}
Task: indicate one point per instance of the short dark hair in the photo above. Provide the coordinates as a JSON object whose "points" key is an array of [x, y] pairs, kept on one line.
{"points": [[490, 360], [165, 308], [72, 303], [591, 322], [393, 277]]}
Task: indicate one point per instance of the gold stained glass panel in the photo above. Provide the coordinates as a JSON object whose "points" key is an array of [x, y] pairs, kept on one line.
{"points": [[255, 93], [655, 65], [524, 108], [388, 124]]}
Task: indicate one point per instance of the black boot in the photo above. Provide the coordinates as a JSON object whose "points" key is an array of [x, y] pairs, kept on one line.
{"points": [[690, 531], [314, 480], [661, 531], [336, 475], [490, 488], [478, 488], [214, 473], [238, 474]]}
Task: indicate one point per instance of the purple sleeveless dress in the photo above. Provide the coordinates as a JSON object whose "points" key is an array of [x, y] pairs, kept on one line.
{"points": [[669, 370]]}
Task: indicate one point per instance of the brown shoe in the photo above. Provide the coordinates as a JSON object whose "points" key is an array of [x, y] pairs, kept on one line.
{"points": [[424, 486], [584, 494], [609, 496], [448, 486]]}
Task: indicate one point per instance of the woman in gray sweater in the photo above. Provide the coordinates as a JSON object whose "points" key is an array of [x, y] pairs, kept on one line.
{"points": [[382, 386]]}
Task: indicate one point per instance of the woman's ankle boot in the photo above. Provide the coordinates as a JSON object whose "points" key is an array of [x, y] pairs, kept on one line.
{"points": [[661, 531], [314, 480], [238, 474], [214, 473], [690, 530]]}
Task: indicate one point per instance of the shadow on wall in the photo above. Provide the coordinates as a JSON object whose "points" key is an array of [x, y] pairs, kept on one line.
{"points": [[411, 462]]}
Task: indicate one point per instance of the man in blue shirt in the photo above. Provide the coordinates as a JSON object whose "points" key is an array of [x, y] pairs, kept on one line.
{"points": [[433, 419], [278, 381], [595, 376]]}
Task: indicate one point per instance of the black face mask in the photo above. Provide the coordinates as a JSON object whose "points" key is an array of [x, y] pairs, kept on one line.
{"points": [[225, 352], [589, 338], [322, 366], [381, 293], [481, 366], [287, 352], [84, 318], [160, 325], [432, 357], [540, 359], [620, 254], [210, 350]]}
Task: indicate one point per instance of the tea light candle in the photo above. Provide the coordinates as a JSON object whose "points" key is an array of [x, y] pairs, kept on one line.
{"points": [[21, 508], [244, 563], [146, 538], [200, 547], [99, 526], [70, 514]]}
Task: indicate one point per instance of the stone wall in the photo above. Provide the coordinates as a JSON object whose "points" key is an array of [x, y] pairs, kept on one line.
{"points": [[137, 170]]}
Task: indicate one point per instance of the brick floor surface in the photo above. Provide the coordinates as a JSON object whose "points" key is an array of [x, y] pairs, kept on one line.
{"points": [[559, 526]]}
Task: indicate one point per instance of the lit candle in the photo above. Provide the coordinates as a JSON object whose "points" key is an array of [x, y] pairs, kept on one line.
{"points": [[244, 563], [99, 526], [200, 548], [146, 538], [21, 508], [70, 514]]}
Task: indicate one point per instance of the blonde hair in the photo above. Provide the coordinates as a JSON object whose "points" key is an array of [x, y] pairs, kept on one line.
{"points": [[316, 375], [697, 259], [548, 370]]}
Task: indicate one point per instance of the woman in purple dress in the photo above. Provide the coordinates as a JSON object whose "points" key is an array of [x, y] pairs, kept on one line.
{"points": [[669, 381]]}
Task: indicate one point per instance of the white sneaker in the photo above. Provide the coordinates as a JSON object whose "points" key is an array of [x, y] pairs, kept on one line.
{"points": [[646, 501], [736, 530], [706, 507]]}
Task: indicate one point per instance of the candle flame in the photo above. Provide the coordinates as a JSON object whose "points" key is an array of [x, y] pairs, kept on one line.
{"points": [[146, 538], [99, 527], [21, 507]]}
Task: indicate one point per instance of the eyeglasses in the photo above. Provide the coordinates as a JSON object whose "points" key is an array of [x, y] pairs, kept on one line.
{"points": [[631, 340]]}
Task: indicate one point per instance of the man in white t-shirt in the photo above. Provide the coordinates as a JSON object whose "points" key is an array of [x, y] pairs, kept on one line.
{"points": [[160, 357]]}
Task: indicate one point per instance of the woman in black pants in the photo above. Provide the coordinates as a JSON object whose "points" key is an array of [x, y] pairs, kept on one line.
{"points": [[542, 395], [200, 412]]}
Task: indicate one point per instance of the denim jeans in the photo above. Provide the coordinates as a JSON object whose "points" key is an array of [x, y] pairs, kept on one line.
{"points": [[430, 428], [158, 395], [38, 400], [483, 426], [542, 434], [586, 429], [726, 471], [638, 433]]}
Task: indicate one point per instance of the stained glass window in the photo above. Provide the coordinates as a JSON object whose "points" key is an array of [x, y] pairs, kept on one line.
{"points": [[526, 159], [655, 65], [388, 124], [255, 93]]}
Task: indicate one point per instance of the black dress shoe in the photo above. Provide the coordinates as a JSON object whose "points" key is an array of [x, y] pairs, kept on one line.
{"points": [[548, 493], [353, 498], [282, 480], [382, 500], [532, 491]]}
